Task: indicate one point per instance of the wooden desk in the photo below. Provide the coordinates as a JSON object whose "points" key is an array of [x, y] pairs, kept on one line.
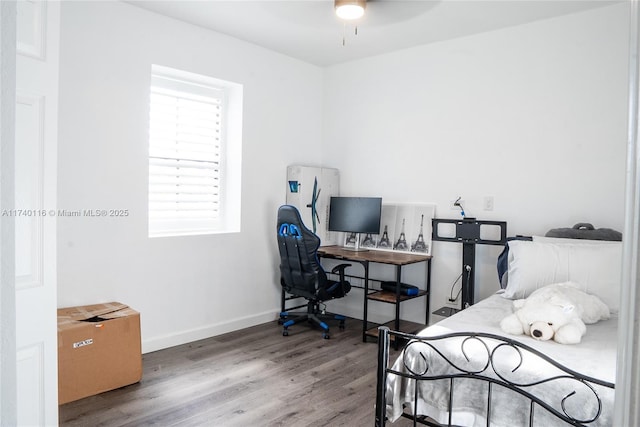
{"points": [[398, 259]]}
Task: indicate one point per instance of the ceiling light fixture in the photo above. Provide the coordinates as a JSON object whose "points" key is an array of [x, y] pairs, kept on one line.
{"points": [[350, 9]]}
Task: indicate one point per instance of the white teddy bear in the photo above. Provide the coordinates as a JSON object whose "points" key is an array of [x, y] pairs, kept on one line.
{"points": [[557, 311]]}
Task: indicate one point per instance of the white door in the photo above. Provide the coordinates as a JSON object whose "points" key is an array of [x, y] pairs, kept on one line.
{"points": [[35, 219]]}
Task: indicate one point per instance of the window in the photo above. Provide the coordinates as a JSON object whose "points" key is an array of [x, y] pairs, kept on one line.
{"points": [[194, 154]]}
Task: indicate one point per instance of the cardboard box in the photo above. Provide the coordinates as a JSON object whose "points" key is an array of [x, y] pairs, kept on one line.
{"points": [[98, 349]]}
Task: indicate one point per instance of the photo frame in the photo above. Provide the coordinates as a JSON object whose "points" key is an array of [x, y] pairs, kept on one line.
{"points": [[349, 240], [406, 228]]}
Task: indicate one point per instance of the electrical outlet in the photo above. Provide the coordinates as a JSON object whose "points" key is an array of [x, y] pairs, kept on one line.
{"points": [[488, 203]]}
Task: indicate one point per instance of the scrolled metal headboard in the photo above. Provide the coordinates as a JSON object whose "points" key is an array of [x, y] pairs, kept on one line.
{"points": [[487, 369]]}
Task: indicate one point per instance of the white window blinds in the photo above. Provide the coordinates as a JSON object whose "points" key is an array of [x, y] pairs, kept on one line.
{"points": [[185, 152]]}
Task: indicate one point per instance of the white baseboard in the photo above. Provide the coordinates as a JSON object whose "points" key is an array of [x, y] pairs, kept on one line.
{"points": [[183, 337]]}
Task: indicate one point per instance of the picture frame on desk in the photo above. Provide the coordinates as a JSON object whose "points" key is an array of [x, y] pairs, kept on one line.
{"points": [[404, 228], [367, 241], [349, 240]]}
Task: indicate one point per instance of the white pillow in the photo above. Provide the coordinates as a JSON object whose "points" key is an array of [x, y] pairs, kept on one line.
{"points": [[597, 267]]}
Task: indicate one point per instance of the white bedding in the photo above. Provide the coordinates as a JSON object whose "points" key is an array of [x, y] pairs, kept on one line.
{"points": [[595, 356]]}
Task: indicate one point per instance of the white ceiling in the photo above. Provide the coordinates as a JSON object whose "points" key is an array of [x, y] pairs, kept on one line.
{"points": [[310, 31]]}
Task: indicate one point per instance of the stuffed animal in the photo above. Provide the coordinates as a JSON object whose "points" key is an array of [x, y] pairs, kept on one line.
{"points": [[558, 311]]}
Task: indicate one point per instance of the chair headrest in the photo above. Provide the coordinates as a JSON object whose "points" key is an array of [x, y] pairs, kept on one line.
{"points": [[289, 214], [290, 224], [287, 229]]}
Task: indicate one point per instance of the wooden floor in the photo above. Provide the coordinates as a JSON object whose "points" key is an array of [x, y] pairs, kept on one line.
{"points": [[252, 377]]}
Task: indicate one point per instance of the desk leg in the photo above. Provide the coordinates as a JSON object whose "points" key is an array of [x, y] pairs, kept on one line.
{"points": [[428, 273], [398, 281], [365, 323], [397, 320]]}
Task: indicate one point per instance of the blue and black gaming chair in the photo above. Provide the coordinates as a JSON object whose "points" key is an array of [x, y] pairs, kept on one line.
{"points": [[301, 274]]}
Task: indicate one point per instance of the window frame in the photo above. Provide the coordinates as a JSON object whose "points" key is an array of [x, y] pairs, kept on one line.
{"points": [[193, 85]]}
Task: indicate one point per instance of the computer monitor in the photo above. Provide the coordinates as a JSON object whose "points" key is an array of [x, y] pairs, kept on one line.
{"points": [[355, 215]]}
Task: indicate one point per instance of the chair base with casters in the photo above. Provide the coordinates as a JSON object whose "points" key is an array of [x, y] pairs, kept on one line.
{"points": [[314, 315]]}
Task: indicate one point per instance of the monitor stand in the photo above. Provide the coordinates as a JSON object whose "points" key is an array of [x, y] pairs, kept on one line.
{"points": [[357, 247]]}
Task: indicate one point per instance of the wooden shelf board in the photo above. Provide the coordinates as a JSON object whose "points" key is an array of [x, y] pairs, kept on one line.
{"points": [[383, 257], [405, 326], [390, 297]]}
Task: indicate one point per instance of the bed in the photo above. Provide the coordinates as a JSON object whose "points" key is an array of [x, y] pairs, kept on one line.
{"points": [[465, 371]]}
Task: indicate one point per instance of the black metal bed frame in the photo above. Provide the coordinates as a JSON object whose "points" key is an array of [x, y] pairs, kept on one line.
{"points": [[487, 373]]}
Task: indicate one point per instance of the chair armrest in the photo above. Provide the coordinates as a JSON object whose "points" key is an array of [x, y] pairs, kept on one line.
{"points": [[339, 269]]}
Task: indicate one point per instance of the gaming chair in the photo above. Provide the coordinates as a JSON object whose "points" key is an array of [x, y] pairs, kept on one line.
{"points": [[301, 274]]}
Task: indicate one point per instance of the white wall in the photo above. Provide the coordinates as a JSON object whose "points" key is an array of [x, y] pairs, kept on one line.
{"points": [[534, 116], [185, 287]]}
